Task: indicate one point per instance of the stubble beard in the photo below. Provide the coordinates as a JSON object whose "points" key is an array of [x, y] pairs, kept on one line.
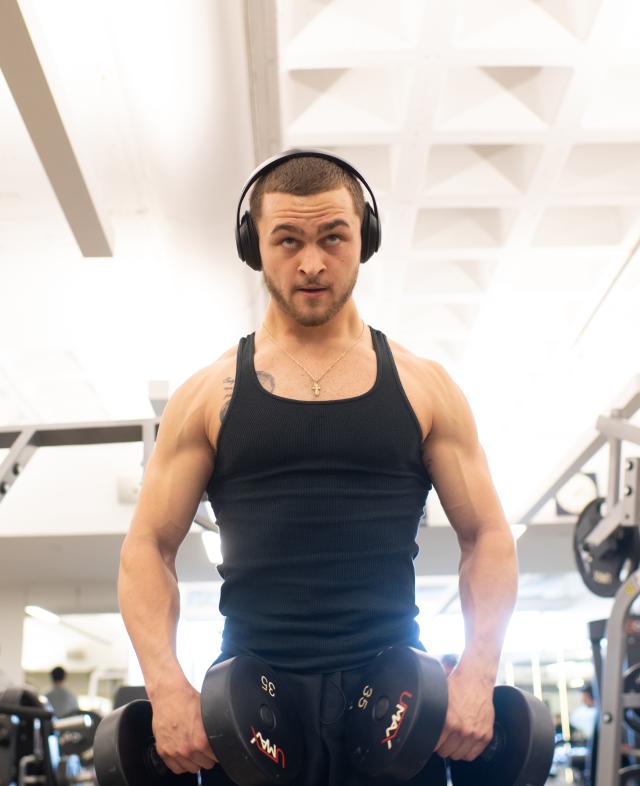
{"points": [[311, 317]]}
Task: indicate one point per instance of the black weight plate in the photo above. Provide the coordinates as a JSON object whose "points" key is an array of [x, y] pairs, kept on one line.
{"points": [[397, 715], [605, 574], [629, 776], [525, 753], [78, 740], [252, 722], [120, 750]]}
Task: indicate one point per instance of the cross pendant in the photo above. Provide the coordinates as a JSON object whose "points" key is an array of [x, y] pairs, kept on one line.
{"points": [[316, 388]]}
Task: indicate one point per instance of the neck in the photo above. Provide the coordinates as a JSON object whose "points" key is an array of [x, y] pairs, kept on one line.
{"points": [[344, 326]]}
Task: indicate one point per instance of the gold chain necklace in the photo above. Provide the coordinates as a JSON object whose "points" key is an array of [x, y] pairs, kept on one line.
{"points": [[316, 386]]}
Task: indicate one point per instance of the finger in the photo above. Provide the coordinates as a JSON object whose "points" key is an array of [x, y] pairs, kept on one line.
{"points": [[187, 764], [174, 764], [205, 761], [467, 750], [449, 747]]}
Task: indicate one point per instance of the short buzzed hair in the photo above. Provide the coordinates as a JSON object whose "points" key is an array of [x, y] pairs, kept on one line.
{"points": [[58, 674], [304, 176]]}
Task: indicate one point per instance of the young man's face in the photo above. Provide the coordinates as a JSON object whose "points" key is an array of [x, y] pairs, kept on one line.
{"points": [[307, 243]]}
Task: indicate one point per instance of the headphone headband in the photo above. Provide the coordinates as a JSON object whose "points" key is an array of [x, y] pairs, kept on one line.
{"points": [[280, 158]]}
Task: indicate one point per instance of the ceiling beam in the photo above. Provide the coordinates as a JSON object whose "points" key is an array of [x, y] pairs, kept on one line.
{"points": [[26, 79]]}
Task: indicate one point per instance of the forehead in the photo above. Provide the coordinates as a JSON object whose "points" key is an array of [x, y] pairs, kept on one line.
{"points": [[276, 206]]}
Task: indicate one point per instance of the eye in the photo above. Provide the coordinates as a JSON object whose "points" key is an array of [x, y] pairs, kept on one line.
{"points": [[288, 242], [333, 240]]}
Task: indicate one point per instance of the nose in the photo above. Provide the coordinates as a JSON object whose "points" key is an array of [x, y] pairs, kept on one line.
{"points": [[311, 260]]}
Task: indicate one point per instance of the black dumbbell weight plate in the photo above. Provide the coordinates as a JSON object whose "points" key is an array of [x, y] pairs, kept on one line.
{"points": [[630, 776], [397, 715], [252, 722], [123, 749], [619, 553], [524, 749]]}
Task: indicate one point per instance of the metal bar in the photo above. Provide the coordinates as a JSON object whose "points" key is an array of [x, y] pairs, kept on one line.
{"points": [[20, 454], [586, 447], [611, 709], [262, 64], [631, 493], [615, 457], [25, 712], [148, 441], [28, 84], [104, 432], [619, 429], [605, 527]]}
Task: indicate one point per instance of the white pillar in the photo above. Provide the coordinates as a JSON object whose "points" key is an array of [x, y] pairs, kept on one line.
{"points": [[11, 625]]}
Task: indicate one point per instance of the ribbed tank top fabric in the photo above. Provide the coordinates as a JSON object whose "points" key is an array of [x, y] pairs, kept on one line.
{"points": [[318, 504]]}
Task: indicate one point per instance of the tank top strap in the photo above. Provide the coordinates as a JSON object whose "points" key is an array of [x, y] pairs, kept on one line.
{"points": [[244, 363], [388, 379]]}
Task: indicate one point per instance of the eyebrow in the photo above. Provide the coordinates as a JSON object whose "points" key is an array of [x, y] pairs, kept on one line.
{"points": [[294, 230]]}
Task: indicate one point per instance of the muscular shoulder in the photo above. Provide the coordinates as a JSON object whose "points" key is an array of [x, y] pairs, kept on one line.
{"points": [[204, 391], [431, 385], [427, 373]]}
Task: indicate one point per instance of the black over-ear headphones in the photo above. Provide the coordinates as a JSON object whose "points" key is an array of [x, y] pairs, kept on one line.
{"points": [[247, 234]]}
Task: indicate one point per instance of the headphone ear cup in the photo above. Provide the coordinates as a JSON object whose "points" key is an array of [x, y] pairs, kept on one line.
{"points": [[247, 242], [370, 234]]}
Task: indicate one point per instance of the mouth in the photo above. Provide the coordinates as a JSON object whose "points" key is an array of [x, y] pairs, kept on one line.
{"points": [[312, 290]]}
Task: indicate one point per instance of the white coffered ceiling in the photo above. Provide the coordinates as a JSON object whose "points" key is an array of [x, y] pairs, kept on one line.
{"points": [[502, 140]]}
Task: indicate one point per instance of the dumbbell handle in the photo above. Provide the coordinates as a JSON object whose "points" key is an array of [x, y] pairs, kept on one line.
{"points": [[494, 747], [154, 761]]}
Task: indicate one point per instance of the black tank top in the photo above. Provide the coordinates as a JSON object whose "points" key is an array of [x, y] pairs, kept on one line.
{"points": [[318, 504]]}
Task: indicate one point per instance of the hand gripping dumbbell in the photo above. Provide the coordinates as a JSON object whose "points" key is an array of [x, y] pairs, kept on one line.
{"points": [[398, 714], [250, 720]]}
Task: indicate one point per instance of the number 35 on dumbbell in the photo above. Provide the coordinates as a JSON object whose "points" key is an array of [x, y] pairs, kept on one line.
{"points": [[250, 720], [397, 715]]}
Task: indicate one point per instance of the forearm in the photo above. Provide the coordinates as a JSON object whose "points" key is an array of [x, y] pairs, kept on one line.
{"points": [[150, 607], [488, 589]]}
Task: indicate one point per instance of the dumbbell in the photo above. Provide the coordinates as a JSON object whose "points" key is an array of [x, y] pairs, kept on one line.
{"points": [[250, 720], [521, 750], [397, 716]]}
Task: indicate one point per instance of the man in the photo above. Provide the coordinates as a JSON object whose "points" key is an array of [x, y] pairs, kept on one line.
{"points": [[583, 718], [60, 697], [317, 441]]}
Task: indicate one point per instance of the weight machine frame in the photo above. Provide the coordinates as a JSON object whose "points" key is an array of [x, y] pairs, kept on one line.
{"points": [[621, 511], [22, 441]]}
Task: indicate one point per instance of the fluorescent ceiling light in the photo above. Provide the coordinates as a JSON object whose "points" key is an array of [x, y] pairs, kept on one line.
{"points": [[42, 614], [211, 542]]}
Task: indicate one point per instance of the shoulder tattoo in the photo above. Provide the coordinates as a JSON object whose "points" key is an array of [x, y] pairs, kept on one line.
{"points": [[266, 380], [227, 384]]}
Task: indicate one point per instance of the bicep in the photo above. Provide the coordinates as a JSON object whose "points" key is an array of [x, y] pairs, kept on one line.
{"points": [[176, 474]]}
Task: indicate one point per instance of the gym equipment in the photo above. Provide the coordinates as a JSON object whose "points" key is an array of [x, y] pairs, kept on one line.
{"points": [[75, 739], [247, 235], [608, 562], [250, 720], [398, 713], [124, 752], [604, 567], [521, 751], [29, 746], [396, 716], [22, 443]]}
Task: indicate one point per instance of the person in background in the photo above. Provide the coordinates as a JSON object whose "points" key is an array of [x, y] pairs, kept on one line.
{"points": [[63, 701], [583, 718]]}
